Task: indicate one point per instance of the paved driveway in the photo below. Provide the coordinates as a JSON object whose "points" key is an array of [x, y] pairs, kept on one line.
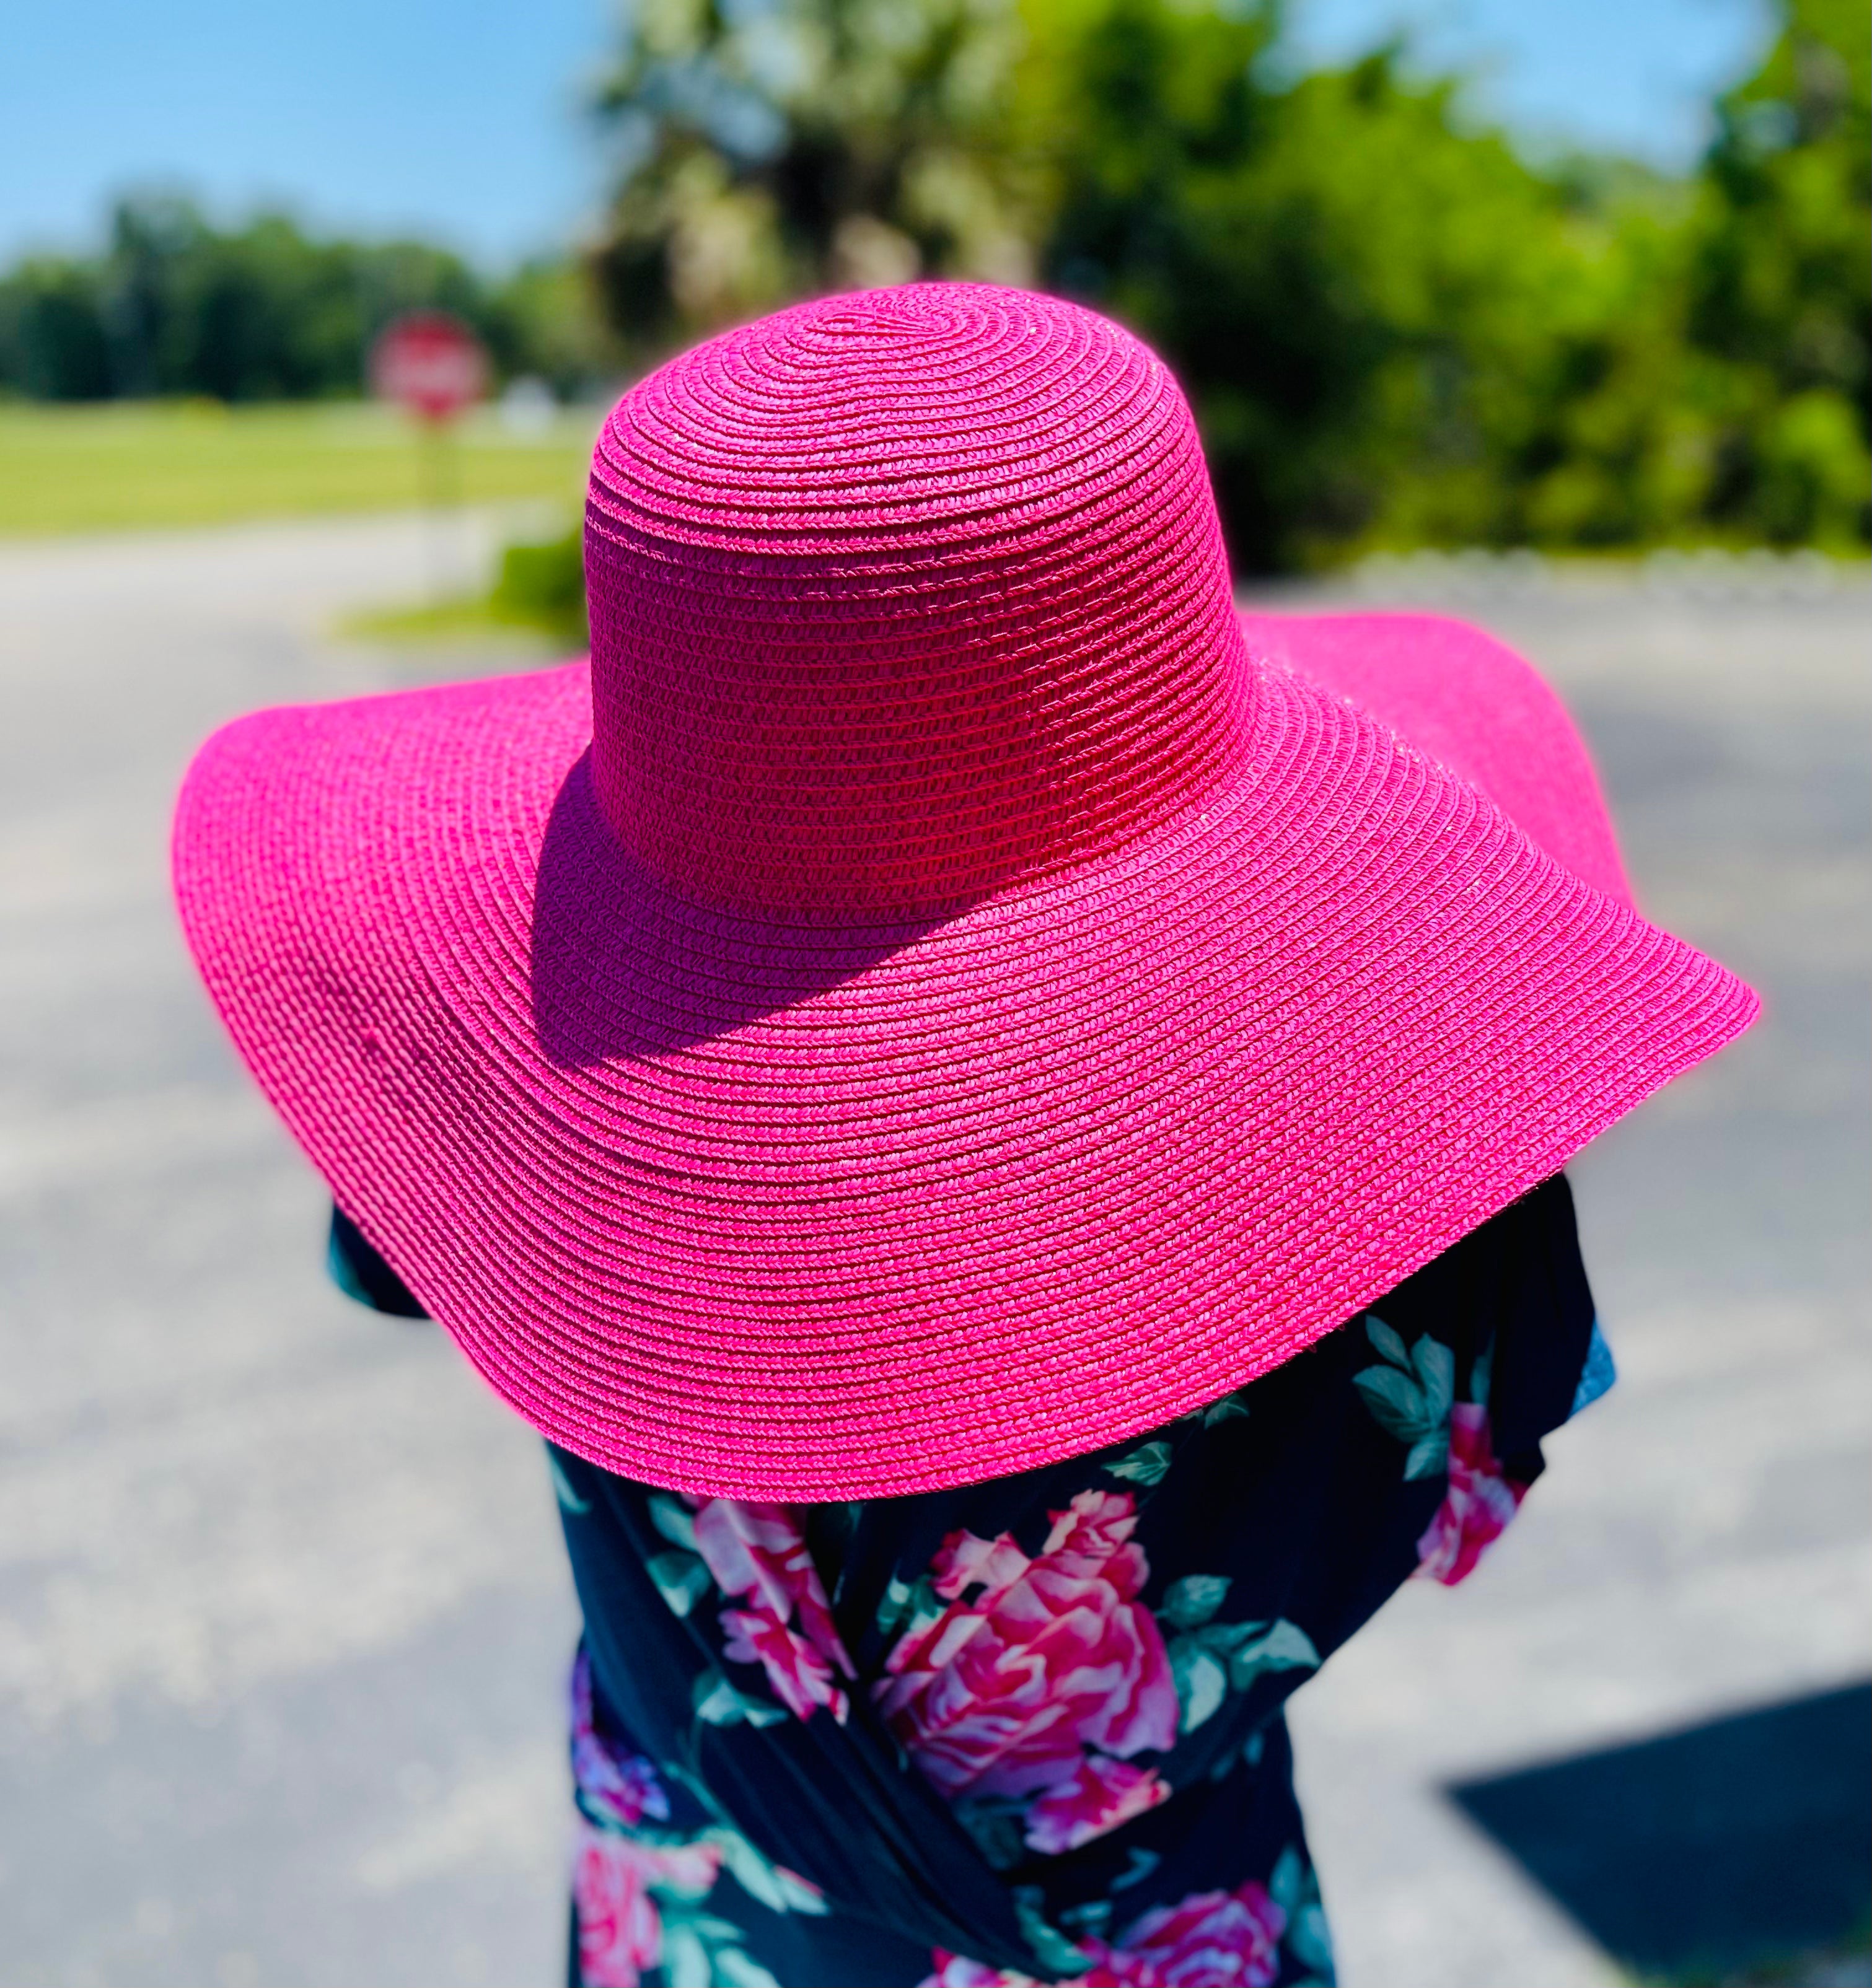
{"points": [[282, 1617]]}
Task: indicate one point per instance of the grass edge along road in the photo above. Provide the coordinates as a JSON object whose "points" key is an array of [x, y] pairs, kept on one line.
{"points": [[122, 465]]}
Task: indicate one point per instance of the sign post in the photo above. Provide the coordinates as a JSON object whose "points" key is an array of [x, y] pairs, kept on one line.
{"points": [[433, 365]]}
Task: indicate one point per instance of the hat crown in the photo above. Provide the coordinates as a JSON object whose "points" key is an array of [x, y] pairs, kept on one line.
{"points": [[898, 596]]}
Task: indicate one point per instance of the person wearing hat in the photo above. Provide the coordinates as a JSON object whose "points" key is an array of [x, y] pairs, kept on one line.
{"points": [[1003, 1119]]}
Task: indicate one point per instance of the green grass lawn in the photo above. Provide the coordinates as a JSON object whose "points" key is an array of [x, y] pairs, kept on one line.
{"points": [[129, 464]]}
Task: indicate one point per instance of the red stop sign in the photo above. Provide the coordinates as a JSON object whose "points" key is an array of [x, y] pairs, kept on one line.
{"points": [[431, 362]]}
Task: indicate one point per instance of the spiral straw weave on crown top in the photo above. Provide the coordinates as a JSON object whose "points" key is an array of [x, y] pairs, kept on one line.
{"points": [[898, 596]]}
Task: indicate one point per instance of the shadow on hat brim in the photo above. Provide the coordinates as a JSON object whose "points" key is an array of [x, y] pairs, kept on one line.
{"points": [[677, 992], [800, 1214]]}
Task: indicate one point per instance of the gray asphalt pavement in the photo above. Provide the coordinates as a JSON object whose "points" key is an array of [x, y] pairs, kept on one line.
{"points": [[282, 1619]]}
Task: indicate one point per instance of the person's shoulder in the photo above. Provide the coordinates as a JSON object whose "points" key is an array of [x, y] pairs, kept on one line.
{"points": [[359, 1270]]}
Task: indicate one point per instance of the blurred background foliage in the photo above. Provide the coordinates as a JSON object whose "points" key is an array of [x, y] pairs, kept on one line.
{"points": [[1395, 328], [174, 306]]}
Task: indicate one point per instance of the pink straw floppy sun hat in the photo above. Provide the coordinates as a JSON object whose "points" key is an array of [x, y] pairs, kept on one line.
{"points": [[938, 992]]}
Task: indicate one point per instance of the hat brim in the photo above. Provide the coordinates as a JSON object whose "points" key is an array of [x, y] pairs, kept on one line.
{"points": [[835, 1212]]}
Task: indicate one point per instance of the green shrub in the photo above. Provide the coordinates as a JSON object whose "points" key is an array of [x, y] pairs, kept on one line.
{"points": [[543, 585]]}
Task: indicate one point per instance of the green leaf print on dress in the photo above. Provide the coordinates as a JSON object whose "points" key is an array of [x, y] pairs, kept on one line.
{"points": [[1410, 1397], [1413, 1397], [1208, 1658], [1149, 1464]]}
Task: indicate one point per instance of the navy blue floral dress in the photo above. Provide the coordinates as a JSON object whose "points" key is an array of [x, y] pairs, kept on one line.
{"points": [[1031, 1730]]}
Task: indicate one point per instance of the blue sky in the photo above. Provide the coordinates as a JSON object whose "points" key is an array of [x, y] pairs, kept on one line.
{"points": [[462, 121]]}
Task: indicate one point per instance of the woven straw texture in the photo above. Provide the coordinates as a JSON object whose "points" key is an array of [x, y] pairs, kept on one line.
{"points": [[931, 998]]}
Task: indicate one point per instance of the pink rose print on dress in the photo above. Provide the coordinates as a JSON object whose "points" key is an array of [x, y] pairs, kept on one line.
{"points": [[1214, 1940], [1412, 1396], [1102, 1795], [620, 1931], [622, 1787], [1004, 1695], [1477, 1506], [800, 1678], [956, 1970], [757, 1551]]}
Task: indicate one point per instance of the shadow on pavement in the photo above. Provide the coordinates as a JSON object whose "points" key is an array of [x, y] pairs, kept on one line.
{"points": [[1747, 1837]]}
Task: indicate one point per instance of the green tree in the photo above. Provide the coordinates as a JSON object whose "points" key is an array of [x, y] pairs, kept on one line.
{"points": [[53, 345], [1606, 421], [814, 145], [266, 312], [1780, 288], [546, 320], [1346, 281], [1394, 329]]}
